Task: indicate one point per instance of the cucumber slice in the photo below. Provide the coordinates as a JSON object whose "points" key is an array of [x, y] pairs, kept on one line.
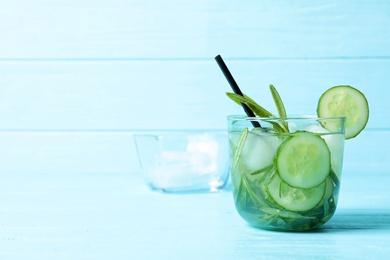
{"points": [[295, 199], [348, 102], [329, 188], [303, 160]]}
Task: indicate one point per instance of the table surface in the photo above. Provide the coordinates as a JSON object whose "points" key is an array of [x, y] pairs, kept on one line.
{"points": [[108, 216]]}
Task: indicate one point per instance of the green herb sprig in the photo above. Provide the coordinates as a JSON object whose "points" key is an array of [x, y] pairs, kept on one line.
{"points": [[261, 111]]}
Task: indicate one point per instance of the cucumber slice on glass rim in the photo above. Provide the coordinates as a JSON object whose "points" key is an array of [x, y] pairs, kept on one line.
{"points": [[348, 102]]}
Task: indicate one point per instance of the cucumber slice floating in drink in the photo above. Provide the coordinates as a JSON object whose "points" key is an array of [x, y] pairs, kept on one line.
{"points": [[303, 160], [295, 199], [348, 102]]}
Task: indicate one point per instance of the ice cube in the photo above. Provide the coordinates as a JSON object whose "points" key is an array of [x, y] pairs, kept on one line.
{"points": [[335, 144], [258, 152], [315, 129], [196, 166]]}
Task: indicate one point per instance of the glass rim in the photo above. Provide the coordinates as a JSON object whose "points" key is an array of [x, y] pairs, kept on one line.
{"points": [[292, 117]]}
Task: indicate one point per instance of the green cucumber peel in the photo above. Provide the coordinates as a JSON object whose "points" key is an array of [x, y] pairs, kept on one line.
{"points": [[334, 177]]}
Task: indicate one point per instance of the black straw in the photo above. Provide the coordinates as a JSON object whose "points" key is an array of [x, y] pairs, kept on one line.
{"points": [[235, 87]]}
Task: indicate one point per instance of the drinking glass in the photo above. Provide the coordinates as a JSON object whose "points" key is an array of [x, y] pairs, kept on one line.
{"points": [[285, 172], [184, 160]]}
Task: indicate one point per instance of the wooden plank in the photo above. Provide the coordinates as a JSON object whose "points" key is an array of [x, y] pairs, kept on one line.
{"points": [[186, 29], [122, 95], [114, 152]]}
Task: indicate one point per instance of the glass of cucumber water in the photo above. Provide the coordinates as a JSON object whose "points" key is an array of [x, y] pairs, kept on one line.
{"points": [[285, 172]]}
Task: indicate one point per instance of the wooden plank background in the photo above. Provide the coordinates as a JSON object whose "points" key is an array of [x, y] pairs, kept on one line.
{"points": [[78, 78]]}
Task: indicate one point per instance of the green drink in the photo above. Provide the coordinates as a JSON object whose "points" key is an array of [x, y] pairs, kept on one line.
{"points": [[286, 180], [286, 171]]}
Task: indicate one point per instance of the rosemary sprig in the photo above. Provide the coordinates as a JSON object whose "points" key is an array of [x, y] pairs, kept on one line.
{"points": [[240, 148], [279, 106], [257, 109]]}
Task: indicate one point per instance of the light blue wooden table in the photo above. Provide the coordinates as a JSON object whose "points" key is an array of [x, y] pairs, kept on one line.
{"points": [[115, 216], [79, 78]]}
